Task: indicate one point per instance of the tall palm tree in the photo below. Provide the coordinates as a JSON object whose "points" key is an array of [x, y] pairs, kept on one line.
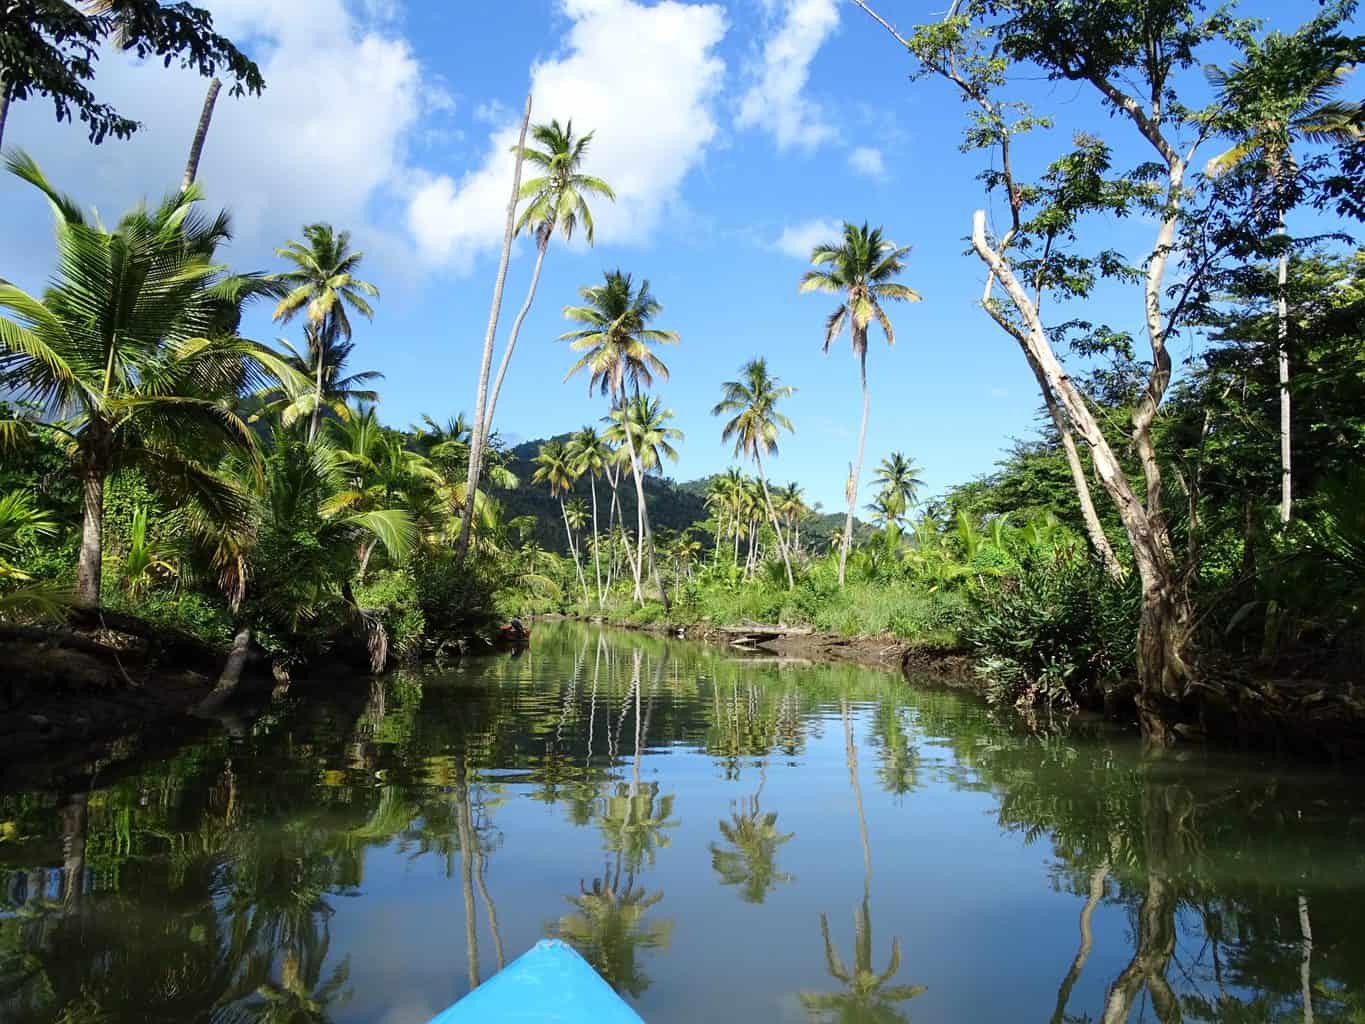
{"points": [[1280, 94], [754, 424], [324, 359], [556, 470], [862, 267], [646, 422], [791, 503], [132, 356], [556, 201], [615, 342], [323, 283], [592, 456], [900, 484]]}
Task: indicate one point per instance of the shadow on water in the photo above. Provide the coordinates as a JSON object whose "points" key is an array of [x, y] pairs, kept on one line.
{"points": [[697, 826]]}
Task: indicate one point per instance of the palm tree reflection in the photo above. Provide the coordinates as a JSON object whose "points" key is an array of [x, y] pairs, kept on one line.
{"points": [[867, 997], [752, 838]]}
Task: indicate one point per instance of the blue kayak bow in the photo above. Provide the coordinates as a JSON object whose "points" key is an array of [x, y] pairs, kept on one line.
{"points": [[549, 984]]}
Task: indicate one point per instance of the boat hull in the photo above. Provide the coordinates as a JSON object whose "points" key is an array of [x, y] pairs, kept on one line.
{"points": [[550, 984]]}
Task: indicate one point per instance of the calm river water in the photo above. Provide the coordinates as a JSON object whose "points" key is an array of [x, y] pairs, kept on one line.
{"points": [[725, 839]]}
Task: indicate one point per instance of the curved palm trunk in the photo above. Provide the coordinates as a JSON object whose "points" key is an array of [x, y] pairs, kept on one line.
{"points": [[772, 517], [480, 428], [646, 534], [541, 247], [857, 470], [596, 545], [4, 109], [573, 550], [1282, 354], [200, 133]]}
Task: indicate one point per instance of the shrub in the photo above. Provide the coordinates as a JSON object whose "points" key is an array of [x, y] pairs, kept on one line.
{"points": [[1053, 633], [392, 594]]}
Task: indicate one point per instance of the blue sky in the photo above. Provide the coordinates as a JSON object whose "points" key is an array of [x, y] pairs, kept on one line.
{"points": [[735, 133]]}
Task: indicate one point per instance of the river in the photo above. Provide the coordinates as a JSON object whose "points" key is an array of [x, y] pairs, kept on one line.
{"points": [[726, 839]]}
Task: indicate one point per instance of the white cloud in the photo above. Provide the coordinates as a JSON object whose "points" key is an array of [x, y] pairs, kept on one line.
{"points": [[644, 78], [325, 137], [797, 240], [776, 101], [868, 162], [492, 112]]}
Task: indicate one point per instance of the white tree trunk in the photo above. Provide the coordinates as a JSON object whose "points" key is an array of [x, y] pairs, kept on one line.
{"points": [[772, 516], [856, 470], [646, 534], [1166, 616], [479, 431]]}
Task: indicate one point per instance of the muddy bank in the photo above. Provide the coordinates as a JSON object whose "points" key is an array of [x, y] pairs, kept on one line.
{"points": [[68, 699], [946, 666]]}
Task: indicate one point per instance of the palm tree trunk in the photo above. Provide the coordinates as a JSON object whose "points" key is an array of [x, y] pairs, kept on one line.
{"points": [[231, 675], [200, 133], [568, 532], [365, 558], [596, 545], [639, 551], [541, 247], [1282, 353], [772, 515], [465, 830], [857, 469], [479, 431], [1306, 959], [316, 418], [646, 534], [4, 109], [90, 566]]}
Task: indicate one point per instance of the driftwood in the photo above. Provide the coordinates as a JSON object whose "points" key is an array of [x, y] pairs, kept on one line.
{"points": [[755, 634]]}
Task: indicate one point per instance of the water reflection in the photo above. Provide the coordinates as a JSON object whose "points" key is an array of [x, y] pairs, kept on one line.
{"points": [[412, 835], [867, 997]]}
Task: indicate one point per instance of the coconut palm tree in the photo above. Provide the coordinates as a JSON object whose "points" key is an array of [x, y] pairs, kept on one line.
{"points": [[556, 201], [305, 507], [900, 485], [791, 502], [615, 342], [1280, 94], [592, 457], [132, 356], [861, 267], [323, 282], [324, 359], [646, 422], [556, 470], [754, 424]]}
